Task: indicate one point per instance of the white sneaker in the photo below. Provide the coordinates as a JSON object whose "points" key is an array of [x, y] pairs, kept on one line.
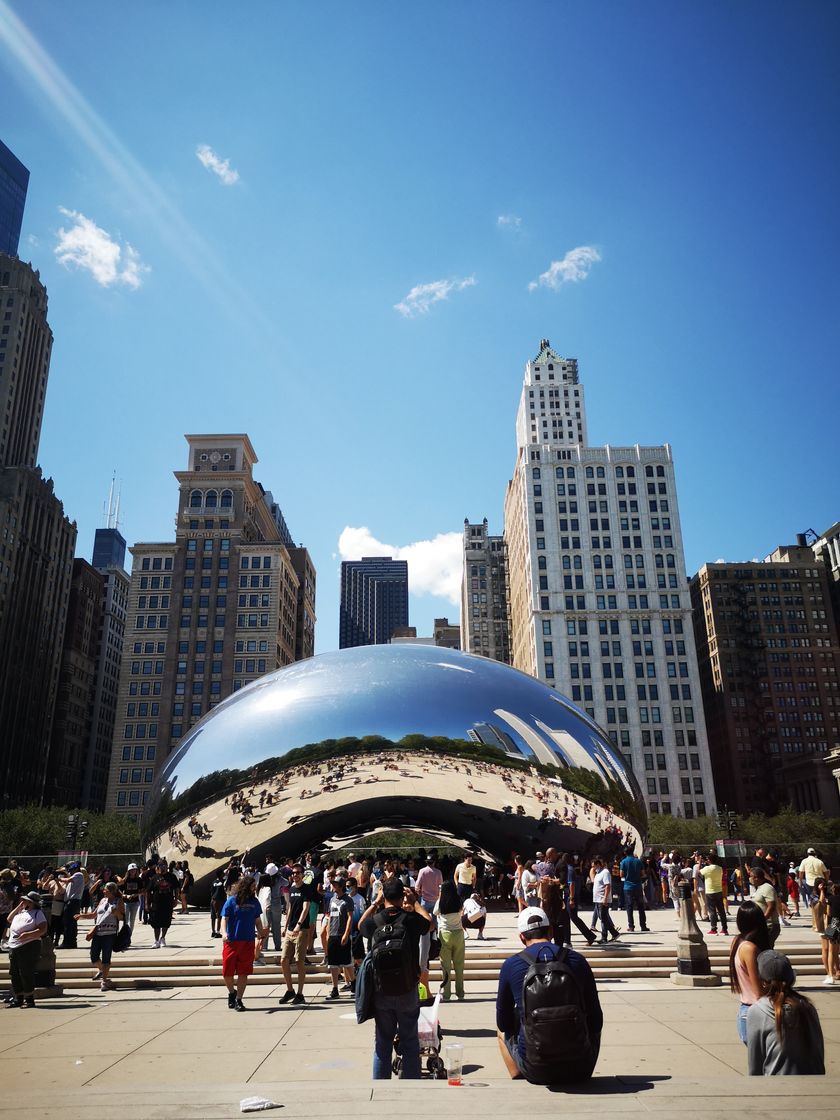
{"points": [[157, 944], [828, 980]]}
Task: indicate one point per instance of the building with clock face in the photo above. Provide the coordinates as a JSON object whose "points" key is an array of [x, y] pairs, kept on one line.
{"points": [[229, 599]]}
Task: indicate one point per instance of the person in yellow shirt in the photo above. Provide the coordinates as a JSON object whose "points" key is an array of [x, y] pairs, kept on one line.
{"points": [[712, 874]]}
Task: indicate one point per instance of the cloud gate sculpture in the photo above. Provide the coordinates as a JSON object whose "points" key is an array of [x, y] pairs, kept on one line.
{"points": [[400, 736]]}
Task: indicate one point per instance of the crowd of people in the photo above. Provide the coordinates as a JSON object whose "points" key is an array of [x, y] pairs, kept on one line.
{"points": [[347, 909]]}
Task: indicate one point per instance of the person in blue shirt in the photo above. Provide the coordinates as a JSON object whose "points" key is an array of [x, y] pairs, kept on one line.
{"points": [[241, 927], [631, 874], [535, 933]]}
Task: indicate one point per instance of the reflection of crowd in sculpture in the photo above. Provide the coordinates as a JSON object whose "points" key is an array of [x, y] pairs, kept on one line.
{"points": [[308, 781]]}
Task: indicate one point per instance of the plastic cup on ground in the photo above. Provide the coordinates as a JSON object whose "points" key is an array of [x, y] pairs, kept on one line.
{"points": [[454, 1062]]}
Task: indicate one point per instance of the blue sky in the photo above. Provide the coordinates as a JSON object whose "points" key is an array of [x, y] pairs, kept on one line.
{"points": [[371, 151]]}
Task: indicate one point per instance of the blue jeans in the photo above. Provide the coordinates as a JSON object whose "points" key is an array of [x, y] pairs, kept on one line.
{"points": [[633, 895], [742, 1022], [390, 1015]]}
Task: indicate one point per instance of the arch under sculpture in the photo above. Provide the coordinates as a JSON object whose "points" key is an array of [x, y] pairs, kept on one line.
{"points": [[395, 736]]}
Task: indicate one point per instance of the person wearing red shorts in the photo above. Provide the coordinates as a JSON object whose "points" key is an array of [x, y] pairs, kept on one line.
{"points": [[241, 928]]}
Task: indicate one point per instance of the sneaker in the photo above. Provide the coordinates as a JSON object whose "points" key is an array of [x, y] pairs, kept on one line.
{"points": [[828, 980], [712, 932], [616, 933], [287, 997], [97, 975], [28, 1001], [346, 987], [107, 986], [299, 998], [157, 944], [334, 994], [15, 1002], [645, 929], [353, 988], [231, 1000], [238, 1005]]}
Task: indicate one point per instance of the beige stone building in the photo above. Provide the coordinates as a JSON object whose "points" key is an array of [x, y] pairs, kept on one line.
{"points": [[208, 613]]}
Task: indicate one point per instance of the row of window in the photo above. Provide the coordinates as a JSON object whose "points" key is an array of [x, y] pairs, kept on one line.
{"points": [[211, 499]]}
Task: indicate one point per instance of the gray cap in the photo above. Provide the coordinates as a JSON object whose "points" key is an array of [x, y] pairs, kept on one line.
{"points": [[775, 966]]}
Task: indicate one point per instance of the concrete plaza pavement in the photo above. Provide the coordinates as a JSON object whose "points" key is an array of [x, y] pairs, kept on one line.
{"points": [[180, 1052]]}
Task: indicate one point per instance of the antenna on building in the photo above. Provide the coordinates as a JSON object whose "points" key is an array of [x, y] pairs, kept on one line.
{"points": [[112, 507]]}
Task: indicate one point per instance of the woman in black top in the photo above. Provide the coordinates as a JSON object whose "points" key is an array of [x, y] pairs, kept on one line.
{"points": [[163, 891]]}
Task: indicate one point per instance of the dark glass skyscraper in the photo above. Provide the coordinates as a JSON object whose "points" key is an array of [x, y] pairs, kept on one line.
{"points": [[374, 600], [14, 180]]}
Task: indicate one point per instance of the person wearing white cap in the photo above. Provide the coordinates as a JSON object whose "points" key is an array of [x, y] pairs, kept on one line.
{"points": [[574, 1037], [130, 887], [811, 869]]}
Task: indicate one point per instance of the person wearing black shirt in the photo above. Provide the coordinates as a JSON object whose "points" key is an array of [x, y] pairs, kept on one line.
{"points": [[163, 890], [296, 937], [397, 1014]]}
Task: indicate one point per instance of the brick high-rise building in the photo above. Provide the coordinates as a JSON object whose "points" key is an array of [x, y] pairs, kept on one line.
{"points": [[208, 612], [770, 674], [485, 627], [599, 600], [73, 719], [36, 542]]}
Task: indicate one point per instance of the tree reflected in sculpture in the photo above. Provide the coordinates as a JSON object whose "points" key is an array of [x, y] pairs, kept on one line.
{"points": [[404, 736]]}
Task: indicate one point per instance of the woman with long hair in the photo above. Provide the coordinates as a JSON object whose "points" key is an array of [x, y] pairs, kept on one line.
{"points": [[744, 980], [448, 913], [783, 1029], [130, 887], [518, 892], [830, 895], [242, 928]]}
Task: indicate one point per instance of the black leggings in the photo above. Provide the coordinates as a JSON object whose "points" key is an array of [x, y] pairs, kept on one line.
{"points": [[23, 962]]}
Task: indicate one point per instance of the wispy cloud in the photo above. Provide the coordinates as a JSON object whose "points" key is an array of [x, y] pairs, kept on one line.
{"points": [[91, 248], [422, 296], [574, 266], [221, 168], [509, 221], [71, 113], [434, 566]]}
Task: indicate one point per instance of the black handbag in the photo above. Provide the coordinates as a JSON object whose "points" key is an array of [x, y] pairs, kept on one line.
{"points": [[123, 939]]}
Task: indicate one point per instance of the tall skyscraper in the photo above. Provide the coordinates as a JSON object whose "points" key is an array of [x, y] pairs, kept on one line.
{"points": [[73, 719], [374, 600], [208, 612], [485, 627], [14, 182], [770, 674], [599, 601], [36, 542]]}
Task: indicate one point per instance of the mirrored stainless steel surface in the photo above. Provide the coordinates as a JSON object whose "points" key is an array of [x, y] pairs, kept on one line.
{"points": [[400, 736]]}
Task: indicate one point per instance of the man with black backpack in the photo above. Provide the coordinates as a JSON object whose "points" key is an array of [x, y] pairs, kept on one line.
{"points": [[548, 1014], [394, 924]]}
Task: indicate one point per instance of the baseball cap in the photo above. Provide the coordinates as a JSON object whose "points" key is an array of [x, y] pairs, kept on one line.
{"points": [[271, 869], [132, 867], [775, 966], [811, 852], [532, 918]]}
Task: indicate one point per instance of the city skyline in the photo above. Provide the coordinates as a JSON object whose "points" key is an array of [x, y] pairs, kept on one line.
{"points": [[652, 238]]}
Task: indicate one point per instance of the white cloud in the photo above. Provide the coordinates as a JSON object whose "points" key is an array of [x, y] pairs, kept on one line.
{"points": [[573, 267], [422, 296], [434, 567], [220, 167], [509, 221], [91, 248], [32, 240]]}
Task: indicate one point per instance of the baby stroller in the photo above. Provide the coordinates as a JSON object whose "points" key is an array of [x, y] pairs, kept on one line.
{"points": [[429, 1034]]}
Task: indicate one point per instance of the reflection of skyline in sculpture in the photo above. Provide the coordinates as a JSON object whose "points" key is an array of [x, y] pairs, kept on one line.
{"points": [[334, 713]]}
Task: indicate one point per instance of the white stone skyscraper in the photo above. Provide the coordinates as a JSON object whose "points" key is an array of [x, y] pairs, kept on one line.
{"points": [[599, 601]]}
